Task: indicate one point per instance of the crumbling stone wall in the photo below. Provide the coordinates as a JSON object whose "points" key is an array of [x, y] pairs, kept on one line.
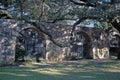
{"points": [[9, 30], [96, 40], [7, 43]]}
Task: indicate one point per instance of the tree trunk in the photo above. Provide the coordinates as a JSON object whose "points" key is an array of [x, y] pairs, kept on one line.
{"points": [[118, 57], [117, 26]]}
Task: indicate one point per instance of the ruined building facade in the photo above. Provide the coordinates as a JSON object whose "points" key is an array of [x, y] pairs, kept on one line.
{"points": [[86, 42]]}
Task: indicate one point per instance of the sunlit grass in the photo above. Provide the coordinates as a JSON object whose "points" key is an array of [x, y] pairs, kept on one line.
{"points": [[74, 70]]}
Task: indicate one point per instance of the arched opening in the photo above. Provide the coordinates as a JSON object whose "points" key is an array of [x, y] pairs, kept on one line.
{"points": [[82, 45], [86, 40], [30, 44], [114, 46], [20, 49]]}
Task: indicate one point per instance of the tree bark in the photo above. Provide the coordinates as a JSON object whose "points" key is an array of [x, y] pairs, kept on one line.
{"points": [[83, 3], [5, 14], [42, 10], [117, 26]]}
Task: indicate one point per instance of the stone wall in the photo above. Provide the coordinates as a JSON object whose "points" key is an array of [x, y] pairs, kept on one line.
{"points": [[9, 30], [95, 38], [84, 43], [7, 43]]}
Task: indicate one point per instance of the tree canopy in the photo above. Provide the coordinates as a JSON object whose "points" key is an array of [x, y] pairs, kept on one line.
{"points": [[103, 12]]}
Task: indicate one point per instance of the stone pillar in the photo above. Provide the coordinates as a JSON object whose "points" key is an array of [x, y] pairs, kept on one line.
{"points": [[7, 45], [7, 48]]}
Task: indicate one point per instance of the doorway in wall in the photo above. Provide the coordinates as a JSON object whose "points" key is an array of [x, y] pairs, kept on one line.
{"points": [[82, 45], [29, 44]]}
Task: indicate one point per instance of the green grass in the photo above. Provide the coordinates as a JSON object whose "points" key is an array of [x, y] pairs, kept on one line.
{"points": [[71, 70]]}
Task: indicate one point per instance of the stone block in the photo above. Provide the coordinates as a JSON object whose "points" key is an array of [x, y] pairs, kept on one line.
{"points": [[102, 53]]}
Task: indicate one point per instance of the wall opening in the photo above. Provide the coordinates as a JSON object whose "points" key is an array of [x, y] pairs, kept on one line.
{"points": [[82, 45], [29, 44]]}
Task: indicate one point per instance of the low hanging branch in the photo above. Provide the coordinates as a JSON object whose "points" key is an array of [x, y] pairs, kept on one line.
{"points": [[83, 3], [83, 19], [41, 31], [78, 22], [116, 23], [61, 18], [5, 14]]}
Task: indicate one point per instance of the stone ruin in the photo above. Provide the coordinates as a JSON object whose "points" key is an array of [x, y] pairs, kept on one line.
{"points": [[86, 42]]}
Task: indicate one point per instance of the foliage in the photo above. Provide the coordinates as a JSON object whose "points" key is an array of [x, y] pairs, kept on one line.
{"points": [[105, 13], [53, 11]]}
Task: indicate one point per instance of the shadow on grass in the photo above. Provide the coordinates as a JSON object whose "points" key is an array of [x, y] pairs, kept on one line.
{"points": [[63, 71]]}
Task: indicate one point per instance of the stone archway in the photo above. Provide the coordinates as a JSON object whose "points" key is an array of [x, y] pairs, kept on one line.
{"points": [[20, 49], [83, 41], [32, 42]]}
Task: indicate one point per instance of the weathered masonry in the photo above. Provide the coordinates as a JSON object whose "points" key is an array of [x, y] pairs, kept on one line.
{"points": [[85, 42]]}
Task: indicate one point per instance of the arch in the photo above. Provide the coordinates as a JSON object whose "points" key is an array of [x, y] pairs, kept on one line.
{"points": [[87, 36], [87, 47], [12, 30], [23, 34]]}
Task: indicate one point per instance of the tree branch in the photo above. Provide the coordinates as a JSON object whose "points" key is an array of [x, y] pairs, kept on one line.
{"points": [[42, 10], [41, 31], [116, 25], [83, 3], [5, 14], [82, 19]]}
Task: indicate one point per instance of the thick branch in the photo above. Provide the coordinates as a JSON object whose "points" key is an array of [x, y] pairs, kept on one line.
{"points": [[116, 25], [5, 14], [82, 19], [60, 19], [41, 31], [42, 10], [83, 3]]}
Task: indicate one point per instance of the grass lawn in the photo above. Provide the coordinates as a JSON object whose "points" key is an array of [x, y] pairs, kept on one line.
{"points": [[71, 70]]}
